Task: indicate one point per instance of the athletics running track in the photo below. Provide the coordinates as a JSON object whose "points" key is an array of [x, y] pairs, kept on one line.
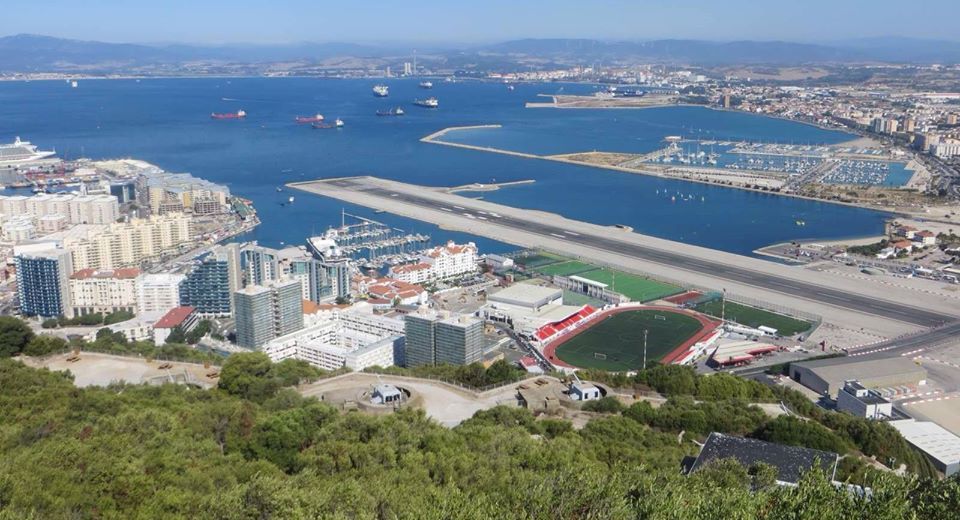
{"points": [[707, 327]]}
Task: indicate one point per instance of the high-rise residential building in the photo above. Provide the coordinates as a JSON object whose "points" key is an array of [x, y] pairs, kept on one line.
{"points": [[128, 244], [103, 291], [158, 293], [433, 338], [265, 312], [164, 192], [74, 208], [407, 68], [209, 286], [43, 280], [260, 264]]}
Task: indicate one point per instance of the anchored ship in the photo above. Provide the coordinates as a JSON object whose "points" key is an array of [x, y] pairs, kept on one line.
{"points": [[430, 102], [426, 84], [239, 114], [381, 90], [336, 124], [396, 111], [316, 118]]}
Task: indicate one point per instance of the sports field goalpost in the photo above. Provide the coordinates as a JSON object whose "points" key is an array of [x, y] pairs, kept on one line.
{"points": [[599, 355], [659, 317]]}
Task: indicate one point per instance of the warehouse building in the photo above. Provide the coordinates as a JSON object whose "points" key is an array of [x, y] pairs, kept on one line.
{"points": [[938, 444], [827, 376]]}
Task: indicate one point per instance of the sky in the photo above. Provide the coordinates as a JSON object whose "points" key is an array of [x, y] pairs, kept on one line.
{"points": [[477, 21]]}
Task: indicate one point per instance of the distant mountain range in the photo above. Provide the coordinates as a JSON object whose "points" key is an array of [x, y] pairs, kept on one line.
{"points": [[33, 53]]}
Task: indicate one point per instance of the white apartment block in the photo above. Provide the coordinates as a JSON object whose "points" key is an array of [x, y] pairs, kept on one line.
{"points": [[350, 338], [74, 208], [130, 243], [158, 293], [439, 263], [103, 291]]}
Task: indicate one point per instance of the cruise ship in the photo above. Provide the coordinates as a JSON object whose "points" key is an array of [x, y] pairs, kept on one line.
{"points": [[381, 90], [430, 102], [21, 152]]}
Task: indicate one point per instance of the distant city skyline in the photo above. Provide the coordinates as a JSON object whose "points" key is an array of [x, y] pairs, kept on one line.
{"points": [[445, 22]]}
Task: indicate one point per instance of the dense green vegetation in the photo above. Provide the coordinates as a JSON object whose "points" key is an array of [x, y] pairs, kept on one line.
{"points": [[173, 452], [868, 249], [474, 375], [88, 320], [754, 317], [724, 408]]}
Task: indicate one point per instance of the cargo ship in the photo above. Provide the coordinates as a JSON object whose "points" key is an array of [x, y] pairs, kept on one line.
{"points": [[430, 102], [426, 84], [336, 124], [381, 90], [316, 118], [396, 111], [239, 114]]}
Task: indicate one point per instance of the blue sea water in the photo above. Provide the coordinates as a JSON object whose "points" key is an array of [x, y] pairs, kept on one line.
{"points": [[166, 122]]}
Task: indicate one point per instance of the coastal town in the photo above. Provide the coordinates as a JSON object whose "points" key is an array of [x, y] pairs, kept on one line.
{"points": [[638, 270]]}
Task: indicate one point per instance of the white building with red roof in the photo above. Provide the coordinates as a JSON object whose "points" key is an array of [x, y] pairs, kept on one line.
{"points": [[103, 291], [440, 263], [185, 317]]}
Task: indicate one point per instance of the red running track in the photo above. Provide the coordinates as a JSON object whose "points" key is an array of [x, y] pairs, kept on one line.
{"points": [[707, 327]]}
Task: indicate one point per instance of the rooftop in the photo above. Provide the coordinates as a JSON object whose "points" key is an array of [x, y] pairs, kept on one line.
{"points": [[174, 317], [790, 461], [844, 369], [122, 274], [930, 438], [525, 294]]}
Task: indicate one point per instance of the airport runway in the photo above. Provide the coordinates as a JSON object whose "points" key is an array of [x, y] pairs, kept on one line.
{"points": [[789, 287]]}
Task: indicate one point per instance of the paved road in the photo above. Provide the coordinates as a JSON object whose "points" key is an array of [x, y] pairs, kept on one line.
{"points": [[789, 287]]}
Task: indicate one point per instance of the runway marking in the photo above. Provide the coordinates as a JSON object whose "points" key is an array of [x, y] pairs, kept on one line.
{"points": [[447, 209], [558, 236]]}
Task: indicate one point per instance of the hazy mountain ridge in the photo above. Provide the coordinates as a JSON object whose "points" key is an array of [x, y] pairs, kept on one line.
{"points": [[29, 53]]}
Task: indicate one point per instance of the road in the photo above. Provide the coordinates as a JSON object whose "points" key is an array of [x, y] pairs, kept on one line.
{"points": [[789, 287]]}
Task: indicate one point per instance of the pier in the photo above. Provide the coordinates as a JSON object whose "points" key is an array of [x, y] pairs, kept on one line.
{"points": [[888, 312]]}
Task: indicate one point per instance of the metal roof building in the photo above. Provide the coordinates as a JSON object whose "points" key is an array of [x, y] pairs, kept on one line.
{"points": [[827, 376], [939, 445]]}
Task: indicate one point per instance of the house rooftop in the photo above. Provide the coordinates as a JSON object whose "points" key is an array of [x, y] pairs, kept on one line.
{"points": [[789, 461]]}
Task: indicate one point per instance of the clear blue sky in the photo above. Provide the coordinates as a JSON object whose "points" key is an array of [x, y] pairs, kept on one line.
{"points": [[469, 21]]}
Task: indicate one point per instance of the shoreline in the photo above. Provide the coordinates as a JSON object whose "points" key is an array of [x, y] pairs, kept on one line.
{"points": [[433, 139]]}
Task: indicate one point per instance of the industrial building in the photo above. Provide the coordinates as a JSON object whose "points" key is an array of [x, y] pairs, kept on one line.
{"points": [[534, 311], [827, 376], [938, 444], [791, 462], [857, 400]]}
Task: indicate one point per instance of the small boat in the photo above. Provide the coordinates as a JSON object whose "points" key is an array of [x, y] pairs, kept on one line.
{"points": [[396, 111], [279, 189], [336, 124], [430, 102], [381, 90], [510, 87], [316, 118], [239, 114], [426, 85], [73, 84], [290, 200]]}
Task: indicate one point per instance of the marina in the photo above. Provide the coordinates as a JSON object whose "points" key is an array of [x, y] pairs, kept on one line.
{"points": [[370, 242]]}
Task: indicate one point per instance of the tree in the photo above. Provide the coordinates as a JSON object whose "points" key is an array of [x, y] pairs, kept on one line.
{"points": [[50, 323], [176, 336], [248, 375], [607, 404], [15, 334], [44, 344]]}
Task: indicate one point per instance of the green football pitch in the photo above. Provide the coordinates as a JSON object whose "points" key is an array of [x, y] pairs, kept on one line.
{"points": [[616, 343], [637, 288], [754, 317]]}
